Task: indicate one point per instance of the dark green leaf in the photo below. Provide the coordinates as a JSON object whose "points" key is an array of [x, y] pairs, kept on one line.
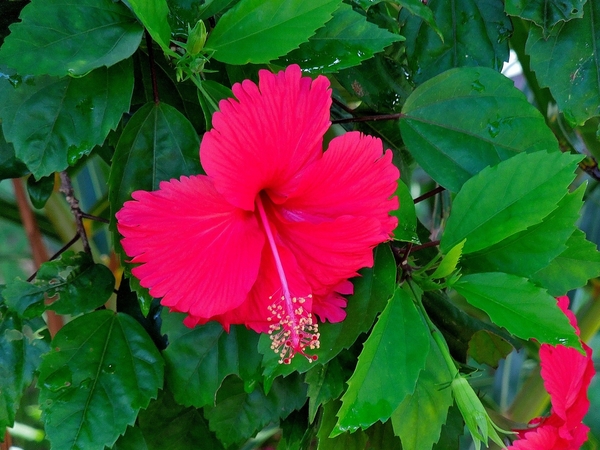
{"points": [[325, 383], [199, 359], [21, 347], [212, 7], [70, 37], [40, 190], [344, 41], [240, 35], [296, 432], [546, 13], [419, 418], [102, 370], [133, 439], [514, 303], [346, 441], [466, 119], [80, 284], [238, 414], [488, 348], [209, 96], [452, 430], [567, 62], [572, 268], [407, 217], [508, 198], [371, 292], [388, 366], [381, 436], [475, 33], [52, 122], [10, 166], [421, 10], [153, 16], [168, 425], [531, 250]]}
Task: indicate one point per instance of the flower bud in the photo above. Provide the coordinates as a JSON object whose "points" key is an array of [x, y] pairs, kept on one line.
{"points": [[196, 38]]}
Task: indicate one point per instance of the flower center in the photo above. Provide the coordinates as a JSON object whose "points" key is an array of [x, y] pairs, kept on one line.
{"points": [[293, 329]]}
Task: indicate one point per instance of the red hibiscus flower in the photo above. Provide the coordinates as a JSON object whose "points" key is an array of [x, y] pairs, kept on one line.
{"points": [[269, 237], [567, 375]]}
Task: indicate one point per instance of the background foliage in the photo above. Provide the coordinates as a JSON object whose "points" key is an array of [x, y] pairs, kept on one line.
{"points": [[104, 97]]}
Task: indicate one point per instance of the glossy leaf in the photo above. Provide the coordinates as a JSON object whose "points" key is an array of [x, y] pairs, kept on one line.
{"points": [[346, 441], [166, 424], [407, 217], [153, 16], [371, 292], [572, 268], [240, 34], [199, 359], [21, 348], [325, 383], [419, 418], [52, 122], [346, 40], [532, 249], [466, 119], [567, 62], [103, 369], [475, 33], [388, 366], [40, 190], [488, 348], [54, 37], [516, 304], [546, 13], [238, 414], [508, 198], [79, 284]]}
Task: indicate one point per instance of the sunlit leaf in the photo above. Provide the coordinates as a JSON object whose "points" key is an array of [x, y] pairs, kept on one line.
{"points": [[240, 34], [102, 370], [153, 16], [70, 37]]}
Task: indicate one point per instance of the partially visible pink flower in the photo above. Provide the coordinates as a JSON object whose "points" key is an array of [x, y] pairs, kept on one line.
{"points": [[271, 235], [567, 375]]}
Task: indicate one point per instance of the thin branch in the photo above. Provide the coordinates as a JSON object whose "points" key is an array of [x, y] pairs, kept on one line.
{"points": [[67, 189], [370, 118], [63, 249], [431, 193], [416, 248], [94, 218], [152, 67], [343, 106]]}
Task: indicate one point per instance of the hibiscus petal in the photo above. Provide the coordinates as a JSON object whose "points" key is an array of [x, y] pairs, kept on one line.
{"points": [[267, 136], [198, 252], [354, 177]]}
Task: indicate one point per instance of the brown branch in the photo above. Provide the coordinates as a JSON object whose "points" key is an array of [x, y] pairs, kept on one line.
{"points": [[67, 188], [38, 249], [343, 106], [416, 248], [63, 249], [370, 118], [152, 67], [431, 193], [94, 218]]}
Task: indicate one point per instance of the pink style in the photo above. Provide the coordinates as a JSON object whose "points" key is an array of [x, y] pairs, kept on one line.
{"points": [[567, 374], [271, 234]]}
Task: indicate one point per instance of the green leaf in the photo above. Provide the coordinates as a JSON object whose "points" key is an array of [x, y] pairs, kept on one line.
{"points": [[133, 439], [567, 62], [546, 13], [344, 41], [325, 383], [346, 441], [40, 190], [406, 230], [52, 122], [531, 250], [157, 144], [167, 425], [199, 359], [572, 268], [388, 366], [488, 348], [241, 33], [371, 292], [21, 347], [381, 435], [419, 418], [10, 166], [475, 33], [103, 369], [421, 10], [516, 304], [466, 119], [70, 37], [80, 284], [153, 16], [508, 198], [450, 261], [238, 414], [209, 96]]}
